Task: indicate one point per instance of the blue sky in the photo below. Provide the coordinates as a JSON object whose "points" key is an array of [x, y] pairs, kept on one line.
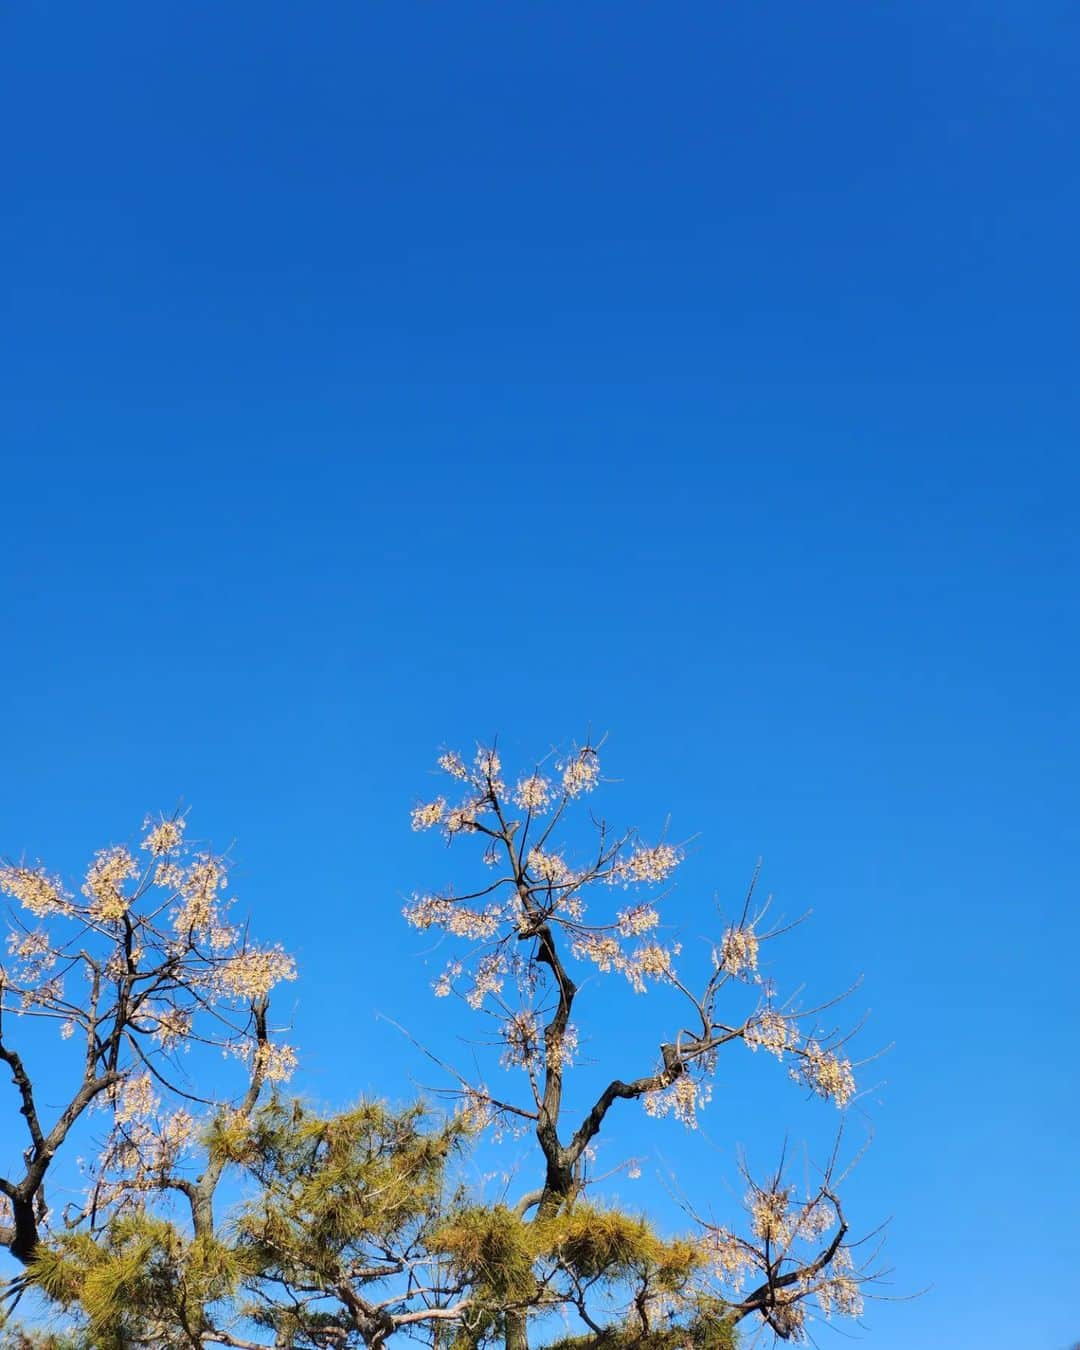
{"points": [[378, 377]]}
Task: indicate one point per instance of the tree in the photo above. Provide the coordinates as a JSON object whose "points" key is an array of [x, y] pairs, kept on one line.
{"points": [[541, 911], [140, 967], [262, 1221]]}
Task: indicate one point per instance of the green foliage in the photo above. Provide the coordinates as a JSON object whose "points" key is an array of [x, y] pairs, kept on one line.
{"points": [[141, 1278], [329, 1186], [493, 1250], [605, 1244]]}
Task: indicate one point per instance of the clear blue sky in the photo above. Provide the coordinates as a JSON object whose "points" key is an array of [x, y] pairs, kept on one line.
{"points": [[378, 376]]}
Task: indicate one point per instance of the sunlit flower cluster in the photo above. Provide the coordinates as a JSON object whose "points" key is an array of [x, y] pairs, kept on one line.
{"points": [[770, 1215], [135, 1098], [272, 1060], [824, 1071], [682, 1099], [728, 1257], [251, 974], [839, 1291], [475, 1109], [454, 765], [104, 882], [444, 985], [532, 793], [739, 950], [815, 1218], [772, 1031], [199, 888], [604, 951], [143, 1149], [169, 876], [645, 866], [46, 993], [164, 836], [460, 819], [35, 890], [488, 768], [636, 920], [488, 977], [548, 867], [650, 962], [428, 814], [581, 772], [560, 1050], [34, 952], [430, 911], [521, 1040], [173, 1026]]}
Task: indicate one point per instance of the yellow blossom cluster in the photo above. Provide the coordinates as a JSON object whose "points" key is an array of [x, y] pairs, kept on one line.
{"points": [[135, 1098], [603, 951], [636, 920], [581, 772], [35, 890], [521, 1040], [560, 1051], [816, 1218], [169, 876], [728, 1257], [428, 814], [839, 1292], [253, 973], [548, 867], [199, 887], [434, 910], [739, 951], [474, 1108], [683, 1099], [571, 907], [771, 1031], [454, 765], [444, 985], [45, 994], [164, 835], [651, 960], [274, 1060], [826, 1073], [488, 768], [34, 951], [532, 793], [144, 1149], [461, 819], [173, 1026], [645, 865], [104, 882], [770, 1215], [488, 978]]}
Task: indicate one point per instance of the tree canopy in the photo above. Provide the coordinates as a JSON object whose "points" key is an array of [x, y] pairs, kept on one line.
{"points": [[231, 1213]]}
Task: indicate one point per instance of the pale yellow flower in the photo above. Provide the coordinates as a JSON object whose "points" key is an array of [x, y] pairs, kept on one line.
{"points": [[104, 882], [739, 950], [581, 773], [164, 836], [428, 814], [532, 793], [35, 890]]}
